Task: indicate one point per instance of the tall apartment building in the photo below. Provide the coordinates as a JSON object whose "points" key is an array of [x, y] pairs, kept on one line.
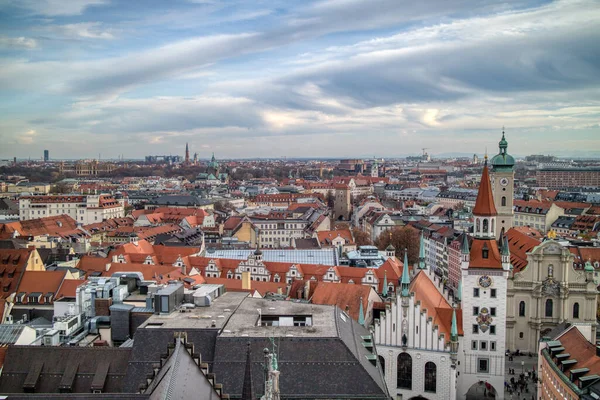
{"points": [[559, 178], [83, 209]]}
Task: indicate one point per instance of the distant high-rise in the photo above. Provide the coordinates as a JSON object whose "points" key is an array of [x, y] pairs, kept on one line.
{"points": [[46, 155]]}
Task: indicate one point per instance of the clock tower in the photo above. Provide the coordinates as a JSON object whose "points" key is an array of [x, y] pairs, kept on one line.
{"points": [[485, 267], [503, 183]]}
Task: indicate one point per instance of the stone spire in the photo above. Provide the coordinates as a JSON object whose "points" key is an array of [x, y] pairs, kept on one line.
{"points": [[422, 252], [248, 387], [361, 313], [405, 282]]}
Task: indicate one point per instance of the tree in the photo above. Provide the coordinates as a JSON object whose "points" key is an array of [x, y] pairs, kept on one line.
{"points": [[330, 199], [361, 238], [401, 238]]}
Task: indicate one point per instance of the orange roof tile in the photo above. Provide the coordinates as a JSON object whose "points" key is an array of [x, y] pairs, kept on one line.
{"points": [[484, 205], [343, 295], [493, 261], [69, 288], [581, 350], [41, 282], [435, 304], [519, 244], [325, 237]]}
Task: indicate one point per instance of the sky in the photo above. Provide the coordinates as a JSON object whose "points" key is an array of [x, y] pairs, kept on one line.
{"points": [[281, 78]]}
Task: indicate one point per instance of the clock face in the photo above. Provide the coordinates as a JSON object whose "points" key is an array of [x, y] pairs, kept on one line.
{"points": [[504, 181], [485, 281]]}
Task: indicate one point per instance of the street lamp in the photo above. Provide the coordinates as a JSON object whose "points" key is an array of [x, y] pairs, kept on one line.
{"points": [[523, 367]]}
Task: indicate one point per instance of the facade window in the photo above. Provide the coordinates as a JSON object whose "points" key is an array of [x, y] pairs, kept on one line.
{"points": [[483, 345], [430, 377], [492, 329], [475, 292], [475, 310], [473, 344], [549, 308], [521, 335], [503, 201], [382, 363], [475, 328], [576, 310], [492, 346], [522, 309], [493, 311], [404, 373], [483, 365], [493, 293], [485, 225]]}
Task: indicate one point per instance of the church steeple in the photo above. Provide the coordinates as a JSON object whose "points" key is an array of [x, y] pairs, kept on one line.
{"points": [[485, 212]]}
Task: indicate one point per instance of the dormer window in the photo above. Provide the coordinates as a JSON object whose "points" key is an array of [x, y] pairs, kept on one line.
{"points": [[19, 297], [485, 251]]}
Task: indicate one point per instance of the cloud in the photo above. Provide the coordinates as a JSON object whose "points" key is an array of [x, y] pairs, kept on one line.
{"points": [[85, 30], [57, 7], [17, 42]]}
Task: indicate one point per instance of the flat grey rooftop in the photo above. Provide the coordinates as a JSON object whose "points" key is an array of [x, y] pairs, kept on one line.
{"points": [[200, 317], [245, 320], [312, 256]]}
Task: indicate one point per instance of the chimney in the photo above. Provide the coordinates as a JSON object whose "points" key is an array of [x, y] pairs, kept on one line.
{"points": [[107, 266], [246, 280], [114, 259], [307, 290]]}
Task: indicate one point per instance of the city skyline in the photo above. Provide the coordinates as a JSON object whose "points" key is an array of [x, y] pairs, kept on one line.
{"points": [[317, 79]]}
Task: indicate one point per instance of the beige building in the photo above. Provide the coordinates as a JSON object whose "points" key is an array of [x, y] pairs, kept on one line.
{"points": [[537, 214], [28, 187], [545, 293]]}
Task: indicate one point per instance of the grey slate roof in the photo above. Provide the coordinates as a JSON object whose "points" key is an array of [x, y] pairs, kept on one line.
{"points": [[45, 369], [312, 256]]}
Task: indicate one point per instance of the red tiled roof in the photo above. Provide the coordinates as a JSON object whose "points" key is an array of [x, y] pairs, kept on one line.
{"points": [[37, 227], [13, 263], [41, 282], [343, 295], [436, 305], [581, 350], [484, 205], [493, 261], [69, 288], [325, 237], [519, 244]]}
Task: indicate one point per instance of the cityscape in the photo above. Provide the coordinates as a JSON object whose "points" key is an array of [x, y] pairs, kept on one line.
{"points": [[334, 199]]}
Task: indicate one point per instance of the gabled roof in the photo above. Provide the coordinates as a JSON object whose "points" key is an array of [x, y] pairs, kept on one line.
{"points": [[42, 282], [343, 295], [13, 263], [484, 205], [436, 305], [326, 237]]}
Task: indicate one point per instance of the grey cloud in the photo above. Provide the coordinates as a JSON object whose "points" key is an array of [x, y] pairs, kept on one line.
{"points": [[17, 42]]}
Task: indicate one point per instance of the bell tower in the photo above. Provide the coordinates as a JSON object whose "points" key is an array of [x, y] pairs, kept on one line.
{"points": [[503, 184], [484, 274]]}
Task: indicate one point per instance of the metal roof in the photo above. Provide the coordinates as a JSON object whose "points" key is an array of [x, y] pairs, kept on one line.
{"points": [[298, 256], [9, 334]]}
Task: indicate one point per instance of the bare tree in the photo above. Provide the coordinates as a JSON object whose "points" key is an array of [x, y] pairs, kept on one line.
{"points": [[401, 238]]}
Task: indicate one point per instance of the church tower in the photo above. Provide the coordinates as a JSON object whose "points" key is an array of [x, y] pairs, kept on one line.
{"points": [[375, 169], [187, 154], [503, 183], [483, 300]]}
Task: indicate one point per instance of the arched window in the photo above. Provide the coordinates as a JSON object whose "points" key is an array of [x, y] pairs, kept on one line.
{"points": [[478, 228], [549, 306], [404, 372], [382, 363], [430, 377], [493, 228], [503, 201], [485, 225], [522, 309], [576, 310]]}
